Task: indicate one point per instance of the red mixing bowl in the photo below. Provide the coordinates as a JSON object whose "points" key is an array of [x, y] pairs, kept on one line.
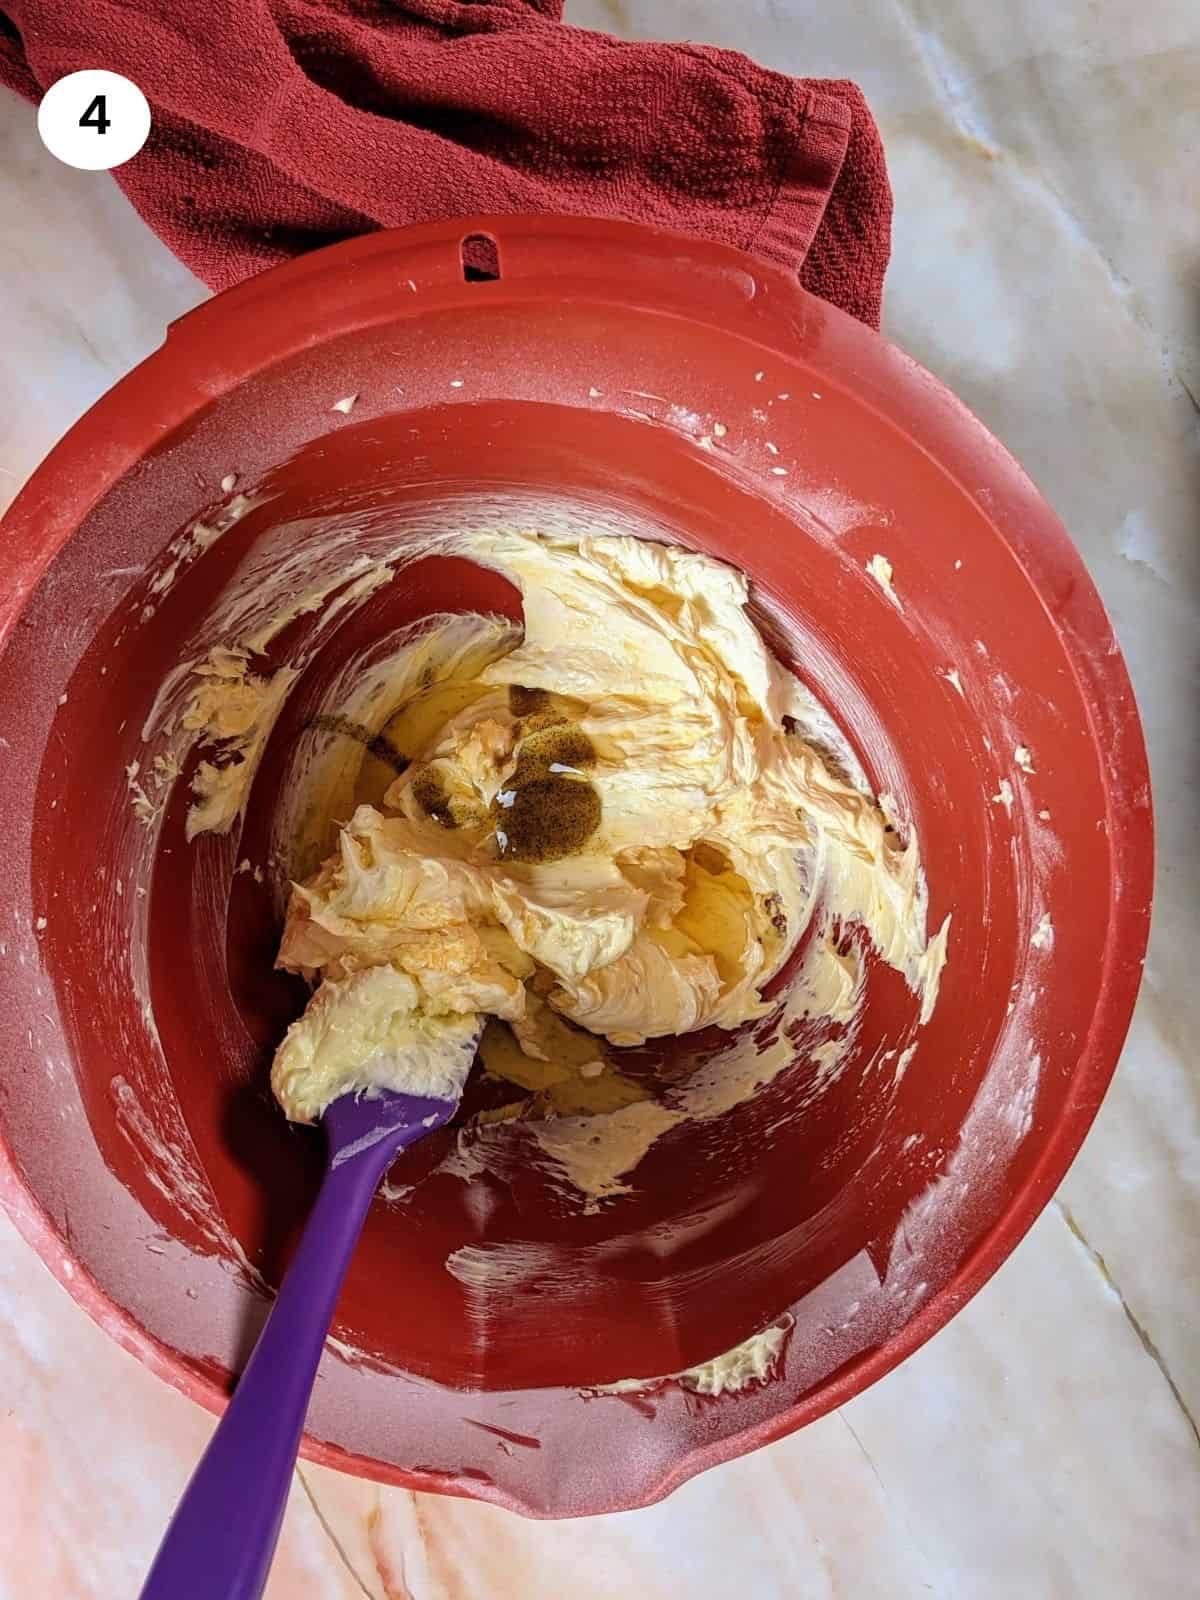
{"points": [[624, 377]]}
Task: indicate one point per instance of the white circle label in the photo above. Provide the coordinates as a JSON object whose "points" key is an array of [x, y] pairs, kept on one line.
{"points": [[94, 120]]}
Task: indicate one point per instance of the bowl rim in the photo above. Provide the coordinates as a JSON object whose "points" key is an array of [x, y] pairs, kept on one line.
{"points": [[228, 334]]}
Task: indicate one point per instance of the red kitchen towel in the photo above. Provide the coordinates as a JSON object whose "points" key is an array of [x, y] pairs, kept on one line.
{"points": [[280, 125]]}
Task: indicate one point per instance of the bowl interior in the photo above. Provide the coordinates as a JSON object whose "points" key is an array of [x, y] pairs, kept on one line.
{"points": [[140, 966]]}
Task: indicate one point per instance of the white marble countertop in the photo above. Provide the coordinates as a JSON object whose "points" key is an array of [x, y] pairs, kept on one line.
{"points": [[1047, 266]]}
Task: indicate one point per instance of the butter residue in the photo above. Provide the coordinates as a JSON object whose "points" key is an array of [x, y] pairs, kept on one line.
{"points": [[594, 1153], [145, 808], [226, 693], [233, 709], [880, 568], [747, 1365], [568, 1071], [198, 537], [902, 1063], [716, 837]]}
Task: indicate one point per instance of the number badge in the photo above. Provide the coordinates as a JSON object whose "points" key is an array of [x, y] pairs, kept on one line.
{"points": [[94, 120]]}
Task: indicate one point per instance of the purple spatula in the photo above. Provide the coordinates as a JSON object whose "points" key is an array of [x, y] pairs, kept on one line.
{"points": [[223, 1534]]}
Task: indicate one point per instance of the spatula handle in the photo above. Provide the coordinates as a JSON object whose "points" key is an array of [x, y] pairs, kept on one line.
{"points": [[223, 1534]]}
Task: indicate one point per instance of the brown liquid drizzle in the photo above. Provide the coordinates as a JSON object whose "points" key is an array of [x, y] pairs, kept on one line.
{"points": [[551, 814], [376, 744], [561, 744], [430, 794], [773, 906], [523, 702]]}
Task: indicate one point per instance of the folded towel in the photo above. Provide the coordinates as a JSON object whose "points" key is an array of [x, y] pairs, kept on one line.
{"points": [[281, 125]]}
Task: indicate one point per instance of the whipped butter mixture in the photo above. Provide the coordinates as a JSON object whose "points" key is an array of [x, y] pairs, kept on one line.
{"points": [[612, 825]]}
